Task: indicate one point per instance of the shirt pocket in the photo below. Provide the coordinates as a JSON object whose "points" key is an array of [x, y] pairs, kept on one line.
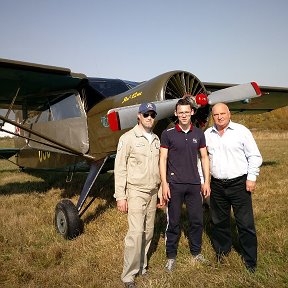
{"points": [[139, 154], [138, 163]]}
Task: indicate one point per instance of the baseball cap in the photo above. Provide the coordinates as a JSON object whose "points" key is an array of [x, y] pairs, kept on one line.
{"points": [[145, 107]]}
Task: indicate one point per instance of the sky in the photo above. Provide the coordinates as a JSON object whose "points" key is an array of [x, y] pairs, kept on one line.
{"points": [[225, 41], [221, 41]]}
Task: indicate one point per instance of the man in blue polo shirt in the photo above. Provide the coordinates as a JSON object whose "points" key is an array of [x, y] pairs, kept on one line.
{"points": [[180, 148]]}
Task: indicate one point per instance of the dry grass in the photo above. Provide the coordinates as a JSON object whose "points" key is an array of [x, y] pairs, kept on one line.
{"points": [[34, 255], [275, 120]]}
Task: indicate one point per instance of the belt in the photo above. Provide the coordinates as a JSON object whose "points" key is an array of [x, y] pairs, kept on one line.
{"points": [[228, 181]]}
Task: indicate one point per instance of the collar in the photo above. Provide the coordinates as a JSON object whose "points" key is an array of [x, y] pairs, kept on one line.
{"points": [[139, 133], [179, 129]]}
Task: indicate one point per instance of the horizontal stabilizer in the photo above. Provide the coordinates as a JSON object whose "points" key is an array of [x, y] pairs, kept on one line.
{"points": [[235, 93]]}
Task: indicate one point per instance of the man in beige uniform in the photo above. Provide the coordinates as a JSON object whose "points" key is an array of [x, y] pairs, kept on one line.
{"points": [[137, 182]]}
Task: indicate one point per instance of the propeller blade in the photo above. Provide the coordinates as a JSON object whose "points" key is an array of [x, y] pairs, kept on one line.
{"points": [[235, 93], [126, 117]]}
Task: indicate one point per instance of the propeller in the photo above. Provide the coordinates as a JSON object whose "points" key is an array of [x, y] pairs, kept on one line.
{"points": [[126, 117]]}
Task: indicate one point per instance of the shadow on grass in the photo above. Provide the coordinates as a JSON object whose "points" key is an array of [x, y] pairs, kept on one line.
{"points": [[40, 185], [57, 180], [45, 181], [24, 188], [3, 171], [103, 189], [270, 163], [159, 231]]}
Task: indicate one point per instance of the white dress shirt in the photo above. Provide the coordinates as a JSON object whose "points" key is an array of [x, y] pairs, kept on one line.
{"points": [[233, 154]]}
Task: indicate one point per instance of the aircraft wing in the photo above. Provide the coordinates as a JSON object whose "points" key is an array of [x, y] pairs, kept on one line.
{"points": [[272, 98], [33, 84], [30, 87]]}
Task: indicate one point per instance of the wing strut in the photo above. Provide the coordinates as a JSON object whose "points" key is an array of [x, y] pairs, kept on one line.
{"points": [[95, 170], [10, 107]]}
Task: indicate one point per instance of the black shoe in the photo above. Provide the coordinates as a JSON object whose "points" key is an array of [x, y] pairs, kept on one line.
{"points": [[129, 285], [220, 258], [251, 269]]}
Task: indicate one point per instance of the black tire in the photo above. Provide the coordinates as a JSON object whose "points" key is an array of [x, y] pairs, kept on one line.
{"points": [[67, 220]]}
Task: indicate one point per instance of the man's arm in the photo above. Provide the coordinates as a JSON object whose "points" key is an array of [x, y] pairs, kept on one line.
{"points": [[120, 175], [163, 171], [253, 156], [254, 159], [206, 171]]}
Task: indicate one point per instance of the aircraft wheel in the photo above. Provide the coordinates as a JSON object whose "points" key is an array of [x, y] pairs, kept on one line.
{"points": [[67, 220]]}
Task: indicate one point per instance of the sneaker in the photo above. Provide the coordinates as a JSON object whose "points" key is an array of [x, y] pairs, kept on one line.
{"points": [[129, 285], [170, 265], [200, 259]]}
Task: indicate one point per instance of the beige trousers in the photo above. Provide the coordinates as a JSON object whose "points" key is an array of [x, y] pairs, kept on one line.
{"points": [[141, 218]]}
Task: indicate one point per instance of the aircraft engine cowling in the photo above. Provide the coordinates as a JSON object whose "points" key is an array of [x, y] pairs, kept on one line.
{"points": [[164, 91]]}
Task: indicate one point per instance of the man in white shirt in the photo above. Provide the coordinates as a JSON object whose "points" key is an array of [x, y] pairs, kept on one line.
{"points": [[234, 165]]}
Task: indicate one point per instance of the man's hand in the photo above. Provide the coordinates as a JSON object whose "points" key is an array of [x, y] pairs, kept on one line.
{"points": [[205, 189], [250, 185], [166, 191], [162, 202], [122, 205]]}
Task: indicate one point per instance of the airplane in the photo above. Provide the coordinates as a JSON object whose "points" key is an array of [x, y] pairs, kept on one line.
{"points": [[66, 121]]}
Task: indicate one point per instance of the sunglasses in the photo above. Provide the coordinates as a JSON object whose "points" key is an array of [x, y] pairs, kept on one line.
{"points": [[152, 114]]}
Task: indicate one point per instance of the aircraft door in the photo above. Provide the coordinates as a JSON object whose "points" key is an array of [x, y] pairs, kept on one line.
{"points": [[65, 122]]}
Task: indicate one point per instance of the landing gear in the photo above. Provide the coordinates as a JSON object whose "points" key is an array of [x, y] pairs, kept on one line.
{"points": [[67, 215], [67, 220]]}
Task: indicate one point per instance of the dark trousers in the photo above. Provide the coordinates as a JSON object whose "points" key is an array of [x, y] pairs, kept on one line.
{"points": [[223, 196], [191, 195]]}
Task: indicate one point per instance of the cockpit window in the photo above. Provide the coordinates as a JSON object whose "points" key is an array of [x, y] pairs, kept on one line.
{"points": [[61, 111], [69, 107]]}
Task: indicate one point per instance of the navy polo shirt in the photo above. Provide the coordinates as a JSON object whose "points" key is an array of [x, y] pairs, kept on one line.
{"points": [[183, 151]]}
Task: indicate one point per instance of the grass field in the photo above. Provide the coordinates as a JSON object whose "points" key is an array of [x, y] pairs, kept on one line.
{"points": [[34, 255]]}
